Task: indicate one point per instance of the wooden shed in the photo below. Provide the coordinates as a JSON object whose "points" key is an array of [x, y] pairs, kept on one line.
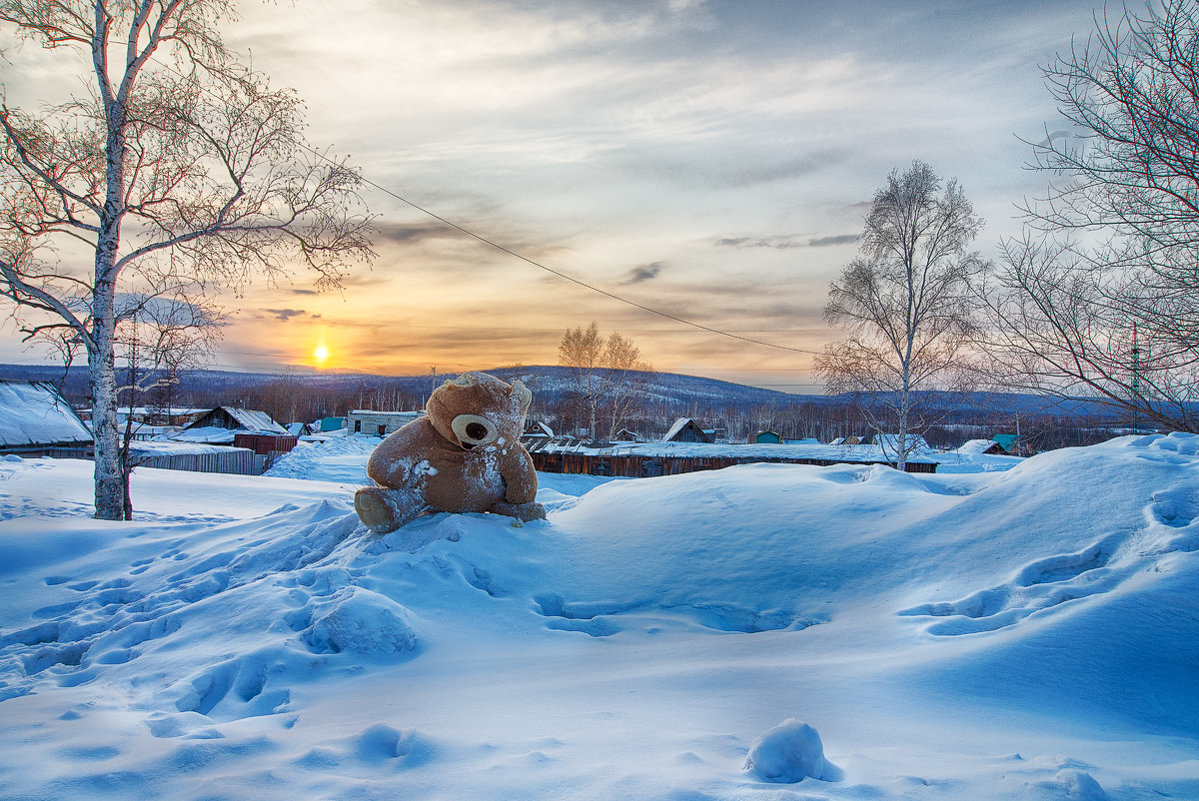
{"points": [[766, 437], [265, 444], [686, 430]]}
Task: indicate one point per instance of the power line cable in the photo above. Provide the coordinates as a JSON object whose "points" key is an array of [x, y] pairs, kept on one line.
{"points": [[493, 244]]}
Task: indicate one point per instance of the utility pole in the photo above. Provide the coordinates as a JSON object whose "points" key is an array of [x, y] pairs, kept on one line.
{"points": [[1136, 378]]}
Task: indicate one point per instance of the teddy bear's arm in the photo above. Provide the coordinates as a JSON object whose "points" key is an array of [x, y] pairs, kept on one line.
{"points": [[520, 479], [390, 463]]}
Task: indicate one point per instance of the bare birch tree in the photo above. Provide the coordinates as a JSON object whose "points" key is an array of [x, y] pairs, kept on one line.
{"points": [[608, 374], [582, 350], [178, 167], [1101, 296], [902, 302], [624, 379]]}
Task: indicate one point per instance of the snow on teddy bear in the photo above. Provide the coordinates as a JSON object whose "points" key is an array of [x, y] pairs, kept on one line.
{"points": [[464, 455]]}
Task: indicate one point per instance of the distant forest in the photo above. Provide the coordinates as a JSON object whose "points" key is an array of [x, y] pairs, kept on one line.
{"points": [[735, 411]]}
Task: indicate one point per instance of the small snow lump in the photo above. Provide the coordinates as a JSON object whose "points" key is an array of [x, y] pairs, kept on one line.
{"points": [[788, 753]]}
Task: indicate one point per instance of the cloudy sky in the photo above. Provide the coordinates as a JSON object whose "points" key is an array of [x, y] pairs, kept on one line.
{"points": [[707, 159]]}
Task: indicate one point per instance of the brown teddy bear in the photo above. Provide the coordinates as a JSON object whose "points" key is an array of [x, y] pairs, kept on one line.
{"points": [[464, 455]]}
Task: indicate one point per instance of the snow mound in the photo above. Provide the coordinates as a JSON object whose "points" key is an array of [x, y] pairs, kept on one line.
{"points": [[1071, 784], [356, 619], [340, 459], [788, 753]]}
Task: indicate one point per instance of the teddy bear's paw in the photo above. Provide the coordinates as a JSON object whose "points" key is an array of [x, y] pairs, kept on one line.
{"points": [[523, 512], [532, 511], [375, 510]]}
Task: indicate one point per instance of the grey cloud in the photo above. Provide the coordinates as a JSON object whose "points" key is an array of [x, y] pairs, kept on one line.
{"points": [[645, 272], [776, 242], [1048, 140], [825, 241], [286, 314], [359, 279], [409, 233]]}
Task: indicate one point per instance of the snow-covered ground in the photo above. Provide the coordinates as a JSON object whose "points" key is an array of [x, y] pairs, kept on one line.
{"points": [[766, 632]]}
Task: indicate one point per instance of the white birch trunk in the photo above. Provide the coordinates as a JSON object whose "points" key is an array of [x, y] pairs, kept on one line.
{"points": [[110, 483], [110, 494]]}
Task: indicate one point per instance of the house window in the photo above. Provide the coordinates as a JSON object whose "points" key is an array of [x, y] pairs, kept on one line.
{"points": [[382, 430], [357, 426]]}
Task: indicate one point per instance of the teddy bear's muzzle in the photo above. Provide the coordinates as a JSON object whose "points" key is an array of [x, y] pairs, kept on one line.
{"points": [[474, 431]]}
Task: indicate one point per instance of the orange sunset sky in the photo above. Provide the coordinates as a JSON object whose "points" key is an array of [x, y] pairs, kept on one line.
{"points": [[708, 159]]}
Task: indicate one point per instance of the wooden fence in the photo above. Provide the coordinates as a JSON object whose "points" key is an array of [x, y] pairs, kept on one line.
{"points": [[238, 461], [648, 466]]}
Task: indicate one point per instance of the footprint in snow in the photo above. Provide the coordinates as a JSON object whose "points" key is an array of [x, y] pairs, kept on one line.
{"points": [[1040, 586]]}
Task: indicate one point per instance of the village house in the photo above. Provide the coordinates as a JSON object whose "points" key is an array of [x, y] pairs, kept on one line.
{"points": [[242, 428], [685, 429], [35, 420], [1000, 444], [536, 433], [379, 424]]}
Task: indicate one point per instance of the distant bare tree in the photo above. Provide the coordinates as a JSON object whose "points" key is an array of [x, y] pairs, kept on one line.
{"points": [[179, 167], [582, 350], [624, 378], [607, 373], [1101, 297], [902, 302]]}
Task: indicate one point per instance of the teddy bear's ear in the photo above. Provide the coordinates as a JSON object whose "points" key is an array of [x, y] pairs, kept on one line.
{"points": [[521, 394]]}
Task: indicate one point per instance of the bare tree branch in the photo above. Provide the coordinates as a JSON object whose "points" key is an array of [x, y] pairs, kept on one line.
{"points": [[1101, 296]]}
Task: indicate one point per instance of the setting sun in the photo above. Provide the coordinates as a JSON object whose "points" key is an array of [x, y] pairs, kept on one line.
{"points": [[321, 353]]}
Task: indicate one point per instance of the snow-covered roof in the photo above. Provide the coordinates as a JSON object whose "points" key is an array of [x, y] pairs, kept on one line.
{"points": [[254, 421], [975, 446], [538, 429], [161, 447], [247, 420], [214, 435], [176, 411], [33, 413], [675, 428]]}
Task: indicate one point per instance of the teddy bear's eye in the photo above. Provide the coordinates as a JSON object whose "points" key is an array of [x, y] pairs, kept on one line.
{"points": [[474, 430]]}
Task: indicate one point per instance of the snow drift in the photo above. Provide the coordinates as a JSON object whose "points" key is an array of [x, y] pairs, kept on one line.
{"points": [[1029, 634]]}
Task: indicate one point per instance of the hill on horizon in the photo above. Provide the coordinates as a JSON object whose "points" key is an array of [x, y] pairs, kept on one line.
{"points": [[552, 383], [542, 379]]}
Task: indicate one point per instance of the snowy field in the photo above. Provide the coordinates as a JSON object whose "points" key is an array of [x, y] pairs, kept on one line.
{"points": [[764, 633]]}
